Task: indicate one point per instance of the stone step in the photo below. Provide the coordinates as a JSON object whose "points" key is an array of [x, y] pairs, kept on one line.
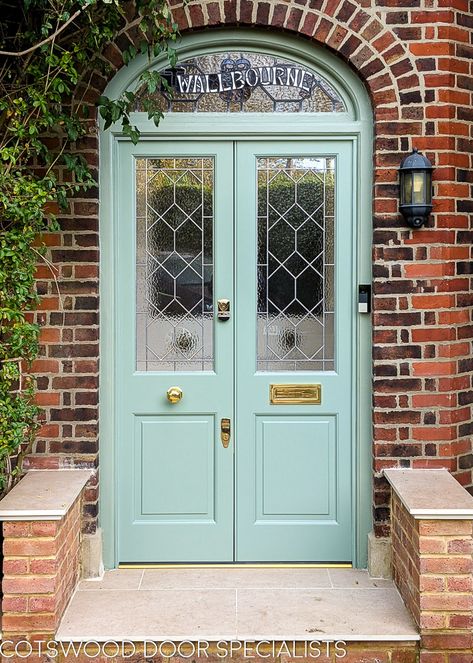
{"points": [[237, 604]]}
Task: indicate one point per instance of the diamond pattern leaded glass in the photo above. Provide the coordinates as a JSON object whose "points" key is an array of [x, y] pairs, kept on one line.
{"points": [[174, 262], [261, 94], [295, 263]]}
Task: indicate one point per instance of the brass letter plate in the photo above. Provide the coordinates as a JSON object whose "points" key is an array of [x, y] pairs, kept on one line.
{"points": [[295, 394]]}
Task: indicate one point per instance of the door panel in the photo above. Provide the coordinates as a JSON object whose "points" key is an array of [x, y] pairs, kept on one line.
{"points": [[175, 479], [294, 326], [285, 486], [184, 446]]}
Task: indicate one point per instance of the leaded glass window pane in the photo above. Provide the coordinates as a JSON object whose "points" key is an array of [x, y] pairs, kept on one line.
{"points": [[243, 82], [296, 271], [174, 263]]}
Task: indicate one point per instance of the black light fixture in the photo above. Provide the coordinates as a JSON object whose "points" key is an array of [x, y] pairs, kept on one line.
{"points": [[415, 180]]}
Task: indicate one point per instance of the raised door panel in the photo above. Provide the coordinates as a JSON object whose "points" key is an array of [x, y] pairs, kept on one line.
{"points": [[295, 464], [175, 468]]}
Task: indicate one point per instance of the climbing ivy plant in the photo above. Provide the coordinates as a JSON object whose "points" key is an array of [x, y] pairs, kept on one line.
{"points": [[49, 51]]}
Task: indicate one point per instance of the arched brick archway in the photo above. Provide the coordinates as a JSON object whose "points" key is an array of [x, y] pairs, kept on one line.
{"points": [[355, 33], [415, 64]]}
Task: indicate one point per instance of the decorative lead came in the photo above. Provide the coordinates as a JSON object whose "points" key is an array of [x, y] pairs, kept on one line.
{"points": [[243, 82], [295, 286], [174, 262]]}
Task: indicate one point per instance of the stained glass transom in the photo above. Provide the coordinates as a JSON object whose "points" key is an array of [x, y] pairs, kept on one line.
{"points": [[174, 262], [296, 237], [243, 82]]}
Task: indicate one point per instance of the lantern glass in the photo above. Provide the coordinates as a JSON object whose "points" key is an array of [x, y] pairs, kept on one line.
{"points": [[418, 188], [406, 188], [428, 187]]}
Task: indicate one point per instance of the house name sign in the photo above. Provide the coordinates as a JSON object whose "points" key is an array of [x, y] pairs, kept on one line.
{"points": [[231, 79]]}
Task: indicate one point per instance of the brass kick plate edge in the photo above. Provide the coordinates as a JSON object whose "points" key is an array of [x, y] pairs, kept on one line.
{"points": [[231, 565]]}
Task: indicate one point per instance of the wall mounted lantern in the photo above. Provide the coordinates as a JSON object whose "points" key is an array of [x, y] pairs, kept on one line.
{"points": [[415, 179]]}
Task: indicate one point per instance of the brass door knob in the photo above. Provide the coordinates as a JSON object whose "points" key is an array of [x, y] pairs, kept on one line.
{"points": [[174, 394]]}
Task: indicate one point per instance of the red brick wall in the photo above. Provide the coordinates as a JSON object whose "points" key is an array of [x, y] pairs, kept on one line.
{"points": [[40, 572], [415, 58], [433, 569]]}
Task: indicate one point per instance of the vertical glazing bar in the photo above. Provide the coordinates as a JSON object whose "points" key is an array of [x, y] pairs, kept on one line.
{"points": [[175, 280], [146, 261], [202, 261], [267, 171], [324, 271]]}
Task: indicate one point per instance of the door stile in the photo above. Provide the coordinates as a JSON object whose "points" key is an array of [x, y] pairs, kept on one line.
{"points": [[235, 308]]}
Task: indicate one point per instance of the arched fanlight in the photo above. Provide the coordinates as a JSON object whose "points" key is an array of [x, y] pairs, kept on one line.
{"points": [[415, 179]]}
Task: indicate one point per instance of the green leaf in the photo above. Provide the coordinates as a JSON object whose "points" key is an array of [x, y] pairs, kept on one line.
{"points": [[43, 114]]}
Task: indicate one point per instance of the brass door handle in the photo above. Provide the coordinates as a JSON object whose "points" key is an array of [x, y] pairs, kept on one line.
{"points": [[225, 432], [174, 394]]}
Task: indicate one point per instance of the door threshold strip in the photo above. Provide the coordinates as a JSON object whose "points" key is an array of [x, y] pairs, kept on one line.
{"points": [[230, 565]]}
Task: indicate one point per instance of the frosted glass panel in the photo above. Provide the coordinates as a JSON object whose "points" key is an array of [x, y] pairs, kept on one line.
{"points": [[174, 264], [296, 272]]}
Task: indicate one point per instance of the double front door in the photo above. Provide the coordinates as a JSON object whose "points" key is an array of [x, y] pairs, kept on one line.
{"points": [[235, 301]]}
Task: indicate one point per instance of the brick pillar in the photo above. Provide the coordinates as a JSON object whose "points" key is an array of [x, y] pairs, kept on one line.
{"points": [[40, 572], [433, 570]]}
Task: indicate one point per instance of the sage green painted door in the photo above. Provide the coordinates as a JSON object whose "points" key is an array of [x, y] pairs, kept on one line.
{"points": [[294, 316], [174, 260], [276, 217]]}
